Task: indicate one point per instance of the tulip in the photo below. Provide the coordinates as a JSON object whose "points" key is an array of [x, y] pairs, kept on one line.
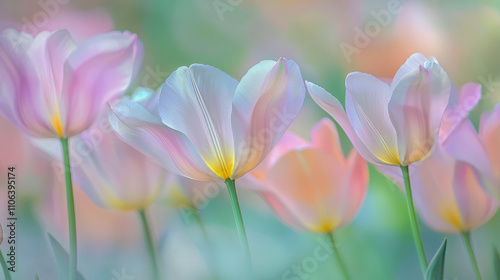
{"points": [[53, 88], [393, 123], [489, 133], [207, 126], [449, 187], [312, 186]]}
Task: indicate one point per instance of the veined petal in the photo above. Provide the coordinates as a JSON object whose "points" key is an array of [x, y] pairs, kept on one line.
{"points": [[460, 104], [197, 101], [272, 94], [366, 104], [332, 106], [475, 206], [21, 101], [99, 69], [416, 110], [49, 52], [168, 147], [411, 64], [324, 136]]}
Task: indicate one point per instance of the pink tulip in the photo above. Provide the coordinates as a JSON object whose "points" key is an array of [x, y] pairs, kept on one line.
{"points": [[396, 123], [54, 88], [207, 126], [312, 185], [489, 133]]}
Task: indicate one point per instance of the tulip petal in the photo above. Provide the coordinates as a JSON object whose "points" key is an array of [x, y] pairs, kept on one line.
{"points": [[333, 107], [287, 143], [319, 207], [101, 68], [21, 102], [271, 93], [366, 106], [166, 146], [324, 136], [475, 205], [475, 154], [433, 191], [356, 188], [459, 106], [489, 133], [416, 110], [49, 52], [197, 101], [410, 65]]}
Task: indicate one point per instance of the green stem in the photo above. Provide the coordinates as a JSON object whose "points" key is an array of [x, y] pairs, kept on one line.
{"points": [[337, 255], [4, 267], [466, 236], [239, 220], [150, 244], [413, 221], [71, 211]]}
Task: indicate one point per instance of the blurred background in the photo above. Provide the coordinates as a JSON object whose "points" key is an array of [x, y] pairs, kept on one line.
{"points": [[328, 39]]}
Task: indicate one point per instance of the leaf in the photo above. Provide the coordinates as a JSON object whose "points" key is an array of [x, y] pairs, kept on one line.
{"points": [[435, 270], [496, 262], [62, 259], [36, 276]]}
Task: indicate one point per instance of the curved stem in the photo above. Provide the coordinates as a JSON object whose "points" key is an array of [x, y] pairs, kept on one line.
{"points": [[150, 244], [4, 267], [71, 211], [231, 187], [466, 236], [413, 221], [337, 255]]}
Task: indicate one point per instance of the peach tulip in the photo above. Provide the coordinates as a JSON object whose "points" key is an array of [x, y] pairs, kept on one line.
{"points": [[489, 133], [313, 186], [55, 88], [393, 123]]}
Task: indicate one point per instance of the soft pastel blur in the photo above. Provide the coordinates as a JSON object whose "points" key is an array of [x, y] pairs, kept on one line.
{"points": [[313, 186], [463, 35]]}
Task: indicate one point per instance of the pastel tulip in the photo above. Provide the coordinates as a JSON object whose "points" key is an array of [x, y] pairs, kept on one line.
{"points": [[489, 133], [207, 126], [53, 88], [448, 186], [396, 123], [312, 186]]}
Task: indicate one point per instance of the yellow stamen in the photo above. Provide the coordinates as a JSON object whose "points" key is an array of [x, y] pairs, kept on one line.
{"points": [[55, 120]]}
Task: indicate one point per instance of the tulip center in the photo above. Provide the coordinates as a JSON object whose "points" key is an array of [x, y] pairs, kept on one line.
{"points": [[56, 122]]}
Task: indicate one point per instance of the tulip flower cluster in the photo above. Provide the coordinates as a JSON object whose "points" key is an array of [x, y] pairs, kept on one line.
{"points": [[205, 125]]}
